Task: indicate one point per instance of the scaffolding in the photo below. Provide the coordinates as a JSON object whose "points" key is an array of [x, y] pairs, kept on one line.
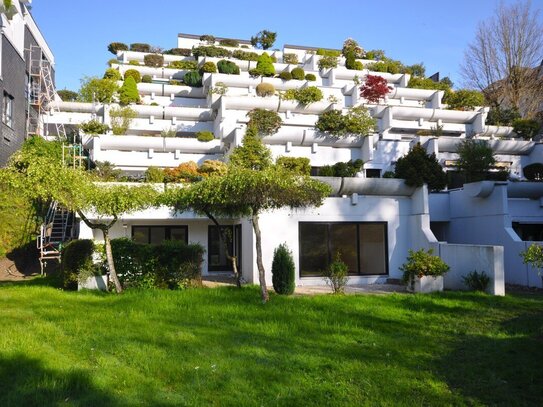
{"points": [[41, 95]]}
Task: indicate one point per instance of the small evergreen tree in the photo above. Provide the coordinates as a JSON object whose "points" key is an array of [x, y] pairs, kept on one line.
{"points": [[417, 168], [129, 92], [264, 65], [475, 158], [253, 154], [283, 277]]}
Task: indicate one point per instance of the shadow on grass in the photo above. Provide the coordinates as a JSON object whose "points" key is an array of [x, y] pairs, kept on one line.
{"points": [[25, 381], [50, 280], [503, 369]]}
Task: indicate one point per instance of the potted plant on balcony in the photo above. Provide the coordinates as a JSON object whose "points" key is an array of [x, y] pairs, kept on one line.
{"points": [[8, 8], [423, 272]]}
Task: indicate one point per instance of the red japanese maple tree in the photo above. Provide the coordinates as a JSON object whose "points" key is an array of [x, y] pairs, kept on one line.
{"points": [[374, 88]]}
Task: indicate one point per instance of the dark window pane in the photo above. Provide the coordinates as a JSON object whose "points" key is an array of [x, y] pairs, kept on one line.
{"points": [[216, 251], [313, 248], [343, 241], [372, 248], [140, 234], [158, 235], [178, 234]]}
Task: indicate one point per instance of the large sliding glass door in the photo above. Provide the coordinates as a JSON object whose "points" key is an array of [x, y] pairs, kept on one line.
{"points": [[216, 251]]}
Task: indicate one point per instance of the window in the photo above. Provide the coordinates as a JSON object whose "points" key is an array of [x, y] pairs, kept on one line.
{"points": [[7, 110], [362, 246], [157, 234], [373, 173], [217, 260]]}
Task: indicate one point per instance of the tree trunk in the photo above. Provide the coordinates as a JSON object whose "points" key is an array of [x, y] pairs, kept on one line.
{"points": [[110, 263], [260, 265]]}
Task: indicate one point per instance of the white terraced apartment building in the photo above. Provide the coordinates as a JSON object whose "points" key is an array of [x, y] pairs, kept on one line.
{"points": [[373, 221]]}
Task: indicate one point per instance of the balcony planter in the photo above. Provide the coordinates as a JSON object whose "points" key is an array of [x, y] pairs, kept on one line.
{"points": [[94, 283], [426, 284], [423, 272]]}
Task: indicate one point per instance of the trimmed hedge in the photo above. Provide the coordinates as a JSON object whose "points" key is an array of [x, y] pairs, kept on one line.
{"points": [[190, 65], [285, 75], [205, 136], [211, 51], [114, 47], [208, 67], [172, 264], [245, 55], [184, 52], [227, 67], [147, 79], [140, 47], [310, 77], [227, 42], [153, 60], [298, 74]]}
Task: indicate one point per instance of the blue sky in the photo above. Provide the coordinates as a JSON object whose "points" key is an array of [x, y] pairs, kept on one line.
{"points": [[435, 32]]}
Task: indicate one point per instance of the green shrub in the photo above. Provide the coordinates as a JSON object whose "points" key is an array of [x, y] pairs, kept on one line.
{"points": [[290, 58], [327, 62], [140, 47], [352, 63], [337, 275], [502, 117], [211, 51], [129, 92], [328, 52], [526, 128], [154, 174], [357, 121], [205, 136], [266, 122], [298, 74], [375, 54], [210, 39], [310, 77], [208, 67], [265, 89], [285, 75], [98, 90], [245, 55], [220, 88], [426, 83], [387, 65], [297, 165], [114, 47], [113, 74], [464, 99], [186, 65], [153, 60], [134, 63], [77, 264], [264, 66], [213, 167], [422, 263], [283, 276], [193, 78], [418, 167], [227, 67], [94, 127], [476, 281], [172, 264], [227, 42], [175, 82], [134, 74], [304, 96], [184, 52], [342, 169], [121, 118], [113, 61], [147, 79], [67, 95]]}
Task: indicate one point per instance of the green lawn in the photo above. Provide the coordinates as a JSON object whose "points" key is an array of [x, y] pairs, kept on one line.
{"points": [[223, 347]]}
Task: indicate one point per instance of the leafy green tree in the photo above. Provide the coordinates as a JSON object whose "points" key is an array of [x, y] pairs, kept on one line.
{"points": [[475, 158], [418, 168], [253, 154], [464, 99], [129, 92], [247, 192], [99, 90], [533, 256], [265, 122], [67, 95], [37, 172], [264, 39]]}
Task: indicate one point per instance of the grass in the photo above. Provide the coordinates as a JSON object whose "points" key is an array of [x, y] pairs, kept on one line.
{"points": [[222, 347]]}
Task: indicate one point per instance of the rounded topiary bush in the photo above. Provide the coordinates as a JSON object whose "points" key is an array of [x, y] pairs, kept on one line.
{"points": [[264, 65], [134, 74], [285, 75], [227, 67], [129, 92], [298, 74], [146, 79], [283, 276], [112, 73], [193, 78], [310, 77], [208, 67], [205, 136], [265, 89]]}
